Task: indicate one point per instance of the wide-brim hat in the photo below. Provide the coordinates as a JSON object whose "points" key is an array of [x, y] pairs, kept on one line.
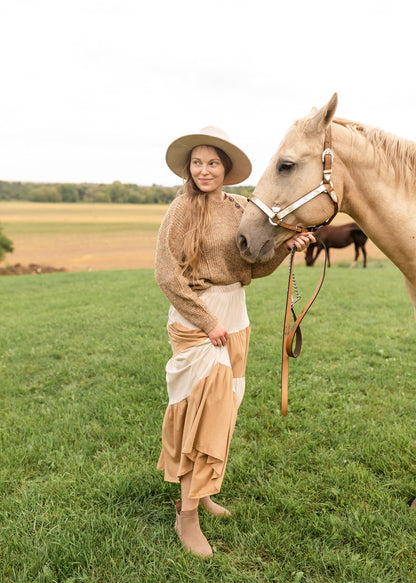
{"points": [[178, 152]]}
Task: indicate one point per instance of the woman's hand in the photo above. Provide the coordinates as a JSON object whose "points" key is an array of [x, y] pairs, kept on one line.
{"points": [[301, 241], [218, 335]]}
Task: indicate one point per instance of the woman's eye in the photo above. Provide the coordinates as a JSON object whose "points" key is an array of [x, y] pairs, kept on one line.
{"points": [[285, 167]]}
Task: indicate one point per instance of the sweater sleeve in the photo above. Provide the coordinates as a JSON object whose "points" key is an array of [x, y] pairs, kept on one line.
{"points": [[168, 271]]}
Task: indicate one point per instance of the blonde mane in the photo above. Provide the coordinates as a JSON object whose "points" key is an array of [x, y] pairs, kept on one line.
{"points": [[398, 152]]}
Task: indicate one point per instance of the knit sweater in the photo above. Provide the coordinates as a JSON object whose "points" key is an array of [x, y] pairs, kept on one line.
{"points": [[220, 262]]}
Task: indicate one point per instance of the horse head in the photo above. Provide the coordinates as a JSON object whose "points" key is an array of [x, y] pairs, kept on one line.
{"points": [[294, 170]]}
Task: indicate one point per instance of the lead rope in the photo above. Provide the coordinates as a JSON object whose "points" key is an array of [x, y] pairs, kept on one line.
{"points": [[294, 332]]}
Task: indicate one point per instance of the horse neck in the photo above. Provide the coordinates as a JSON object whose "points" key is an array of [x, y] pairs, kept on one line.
{"points": [[372, 195]]}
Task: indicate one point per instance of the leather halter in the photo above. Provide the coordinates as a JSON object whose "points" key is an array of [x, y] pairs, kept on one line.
{"points": [[276, 214]]}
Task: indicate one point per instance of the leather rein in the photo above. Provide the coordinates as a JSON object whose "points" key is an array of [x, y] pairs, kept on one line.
{"points": [[275, 214], [294, 333]]}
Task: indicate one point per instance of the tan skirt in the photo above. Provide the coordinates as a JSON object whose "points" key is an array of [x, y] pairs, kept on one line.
{"points": [[205, 386]]}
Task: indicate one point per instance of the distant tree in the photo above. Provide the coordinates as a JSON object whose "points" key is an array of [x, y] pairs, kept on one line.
{"points": [[243, 190], [45, 194], [69, 192], [6, 245], [118, 192], [82, 190], [97, 193]]}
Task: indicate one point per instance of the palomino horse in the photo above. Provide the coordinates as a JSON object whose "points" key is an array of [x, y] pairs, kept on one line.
{"points": [[373, 176], [337, 238]]}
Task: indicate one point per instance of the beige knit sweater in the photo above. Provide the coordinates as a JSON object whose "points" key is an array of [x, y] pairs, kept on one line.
{"points": [[220, 262]]}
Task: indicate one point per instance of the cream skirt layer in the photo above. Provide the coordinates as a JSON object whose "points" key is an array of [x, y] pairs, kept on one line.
{"points": [[205, 386]]}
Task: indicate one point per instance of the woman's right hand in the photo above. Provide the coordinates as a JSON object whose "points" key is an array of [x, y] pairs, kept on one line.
{"points": [[301, 241], [219, 335]]}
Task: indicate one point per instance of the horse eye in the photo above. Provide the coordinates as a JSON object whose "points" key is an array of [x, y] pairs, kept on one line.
{"points": [[285, 167]]}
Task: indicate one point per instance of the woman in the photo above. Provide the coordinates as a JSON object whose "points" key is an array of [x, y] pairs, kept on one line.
{"points": [[200, 270]]}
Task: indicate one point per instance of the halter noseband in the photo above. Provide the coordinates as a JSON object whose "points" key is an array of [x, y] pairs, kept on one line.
{"points": [[276, 214]]}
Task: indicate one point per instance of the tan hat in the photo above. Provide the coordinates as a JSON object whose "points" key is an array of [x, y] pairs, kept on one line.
{"points": [[178, 151]]}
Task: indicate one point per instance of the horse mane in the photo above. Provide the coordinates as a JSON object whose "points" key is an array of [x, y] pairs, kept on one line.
{"points": [[399, 152]]}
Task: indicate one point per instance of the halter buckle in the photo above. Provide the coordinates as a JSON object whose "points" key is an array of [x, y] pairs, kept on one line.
{"points": [[327, 152]]}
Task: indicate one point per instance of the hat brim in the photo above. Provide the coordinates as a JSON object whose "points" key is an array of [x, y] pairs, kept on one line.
{"points": [[178, 152]]}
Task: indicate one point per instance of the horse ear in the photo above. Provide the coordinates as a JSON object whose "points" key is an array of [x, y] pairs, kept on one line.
{"points": [[323, 117]]}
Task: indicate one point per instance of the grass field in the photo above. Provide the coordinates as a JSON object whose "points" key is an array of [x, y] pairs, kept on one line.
{"points": [[91, 237], [321, 496]]}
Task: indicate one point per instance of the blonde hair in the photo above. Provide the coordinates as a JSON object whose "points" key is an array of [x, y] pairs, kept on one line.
{"points": [[199, 214]]}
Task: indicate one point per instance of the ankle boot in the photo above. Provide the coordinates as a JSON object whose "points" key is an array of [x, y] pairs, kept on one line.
{"points": [[213, 508], [189, 532]]}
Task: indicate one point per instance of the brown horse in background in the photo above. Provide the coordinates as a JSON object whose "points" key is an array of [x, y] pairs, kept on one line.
{"points": [[338, 238]]}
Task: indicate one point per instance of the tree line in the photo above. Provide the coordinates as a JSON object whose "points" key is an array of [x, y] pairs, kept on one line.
{"points": [[116, 192]]}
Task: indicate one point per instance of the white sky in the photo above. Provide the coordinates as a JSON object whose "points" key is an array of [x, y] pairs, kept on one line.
{"points": [[95, 90]]}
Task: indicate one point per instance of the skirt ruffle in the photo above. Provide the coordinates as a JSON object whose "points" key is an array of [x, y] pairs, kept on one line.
{"points": [[197, 432]]}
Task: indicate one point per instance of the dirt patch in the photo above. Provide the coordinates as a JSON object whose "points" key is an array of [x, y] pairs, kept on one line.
{"points": [[31, 269]]}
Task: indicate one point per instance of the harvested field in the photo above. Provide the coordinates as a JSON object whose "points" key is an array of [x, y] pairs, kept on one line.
{"points": [[82, 237], [91, 237]]}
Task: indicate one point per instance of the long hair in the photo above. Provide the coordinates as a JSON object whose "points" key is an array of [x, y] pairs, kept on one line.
{"points": [[199, 214]]}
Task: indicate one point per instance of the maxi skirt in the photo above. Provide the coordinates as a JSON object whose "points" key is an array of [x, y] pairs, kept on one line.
{"points": [[205, 387]]}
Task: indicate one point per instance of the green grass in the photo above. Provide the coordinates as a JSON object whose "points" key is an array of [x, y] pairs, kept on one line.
{"points": [[321, 496]]}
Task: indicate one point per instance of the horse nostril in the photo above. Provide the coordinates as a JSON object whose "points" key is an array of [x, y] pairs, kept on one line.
{"points": [[242, 243]]}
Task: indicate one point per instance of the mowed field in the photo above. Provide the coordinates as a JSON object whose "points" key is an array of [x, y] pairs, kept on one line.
{"points": [[82, 237], [92, 237]]}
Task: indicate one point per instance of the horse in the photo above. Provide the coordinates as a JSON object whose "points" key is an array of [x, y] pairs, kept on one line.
{"points": [[337, 238], [341, 165]]}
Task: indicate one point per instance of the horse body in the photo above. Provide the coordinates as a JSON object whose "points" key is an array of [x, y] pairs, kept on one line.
{"points": [[337, 238], [374, 175]]}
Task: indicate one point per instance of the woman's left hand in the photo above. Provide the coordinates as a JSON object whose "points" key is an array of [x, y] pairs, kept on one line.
{"points": [[219, 335], [301, 241]]}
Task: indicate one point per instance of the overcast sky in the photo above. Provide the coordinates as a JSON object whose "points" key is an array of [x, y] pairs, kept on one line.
{"points": [[95, 90]]}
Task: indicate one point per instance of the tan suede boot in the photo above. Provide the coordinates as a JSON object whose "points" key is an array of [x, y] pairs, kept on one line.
{"points": [[213, 508], [190, 533]]}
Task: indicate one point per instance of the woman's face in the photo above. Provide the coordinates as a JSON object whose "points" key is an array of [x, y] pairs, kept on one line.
{"points": [[206, 169]]}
